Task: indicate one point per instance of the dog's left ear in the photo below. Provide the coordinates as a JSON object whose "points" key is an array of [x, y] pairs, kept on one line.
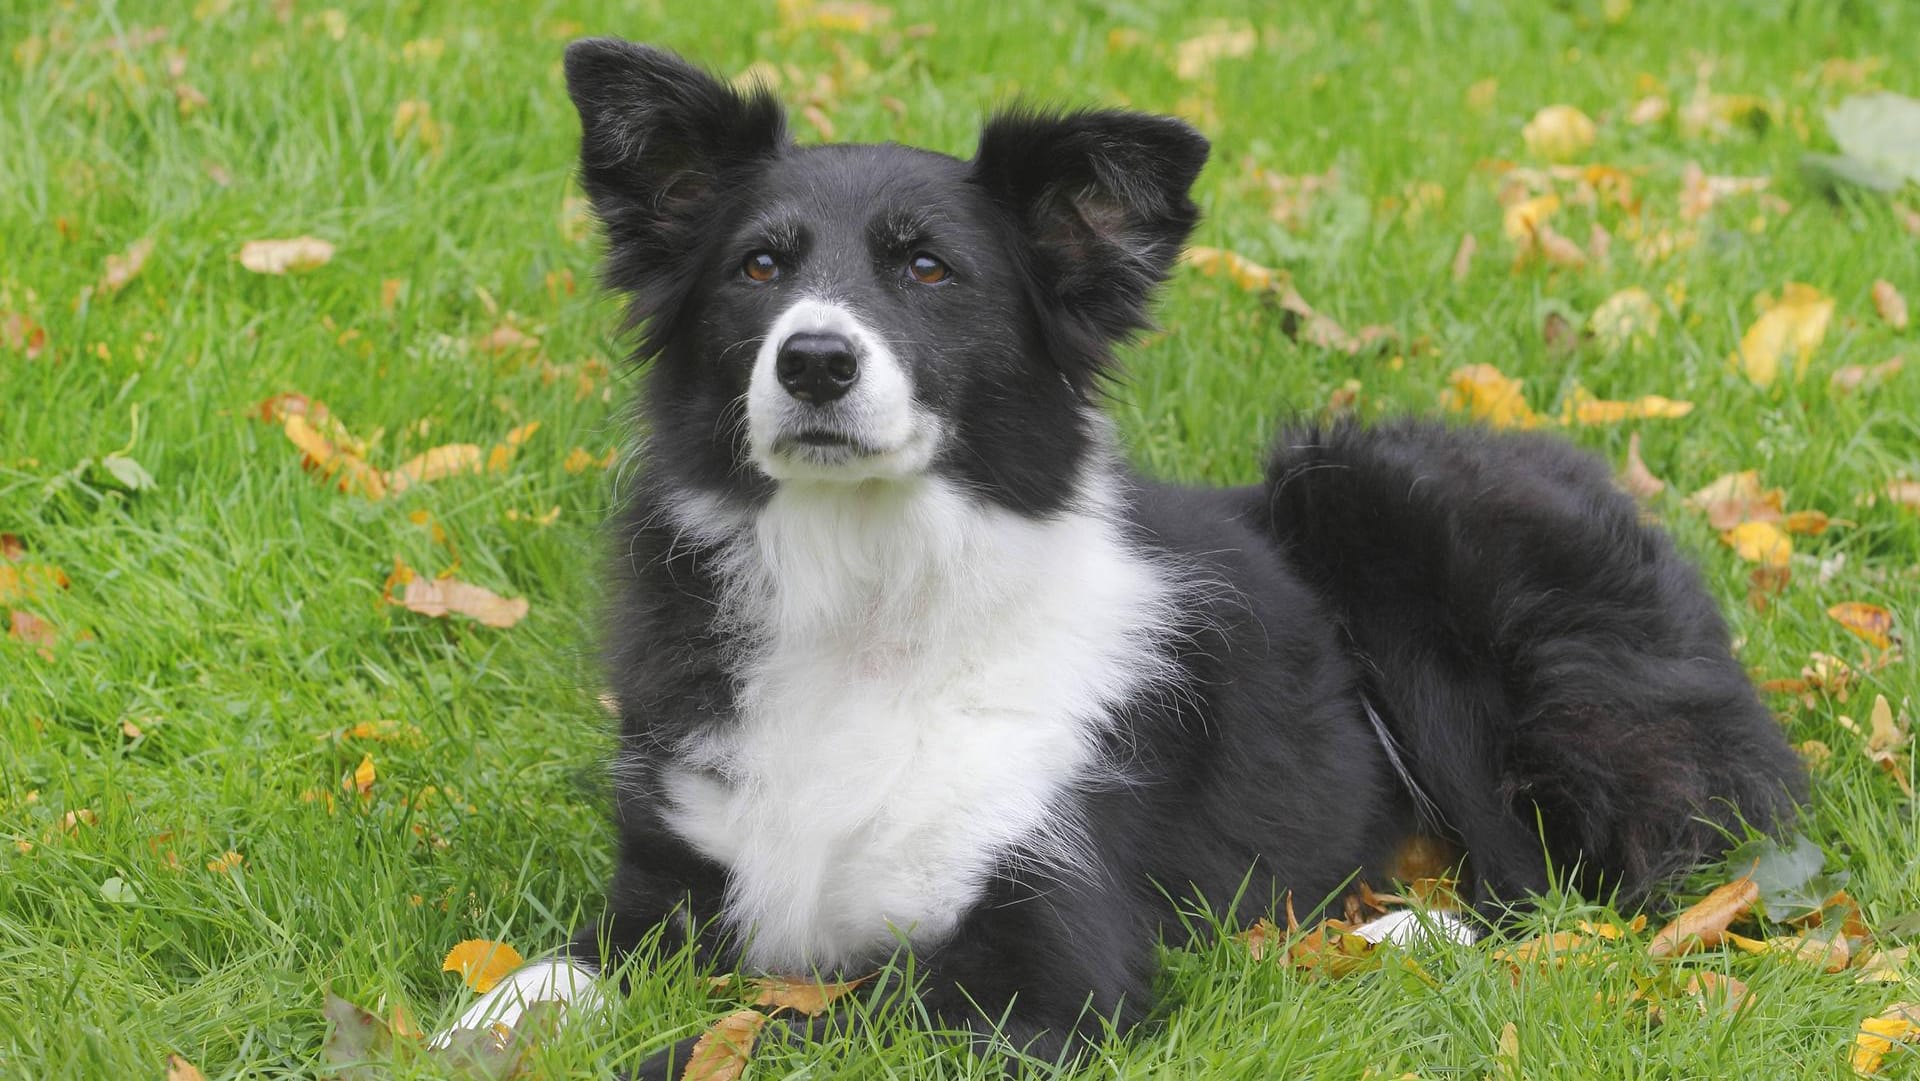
{"points": [[1103, 198]]}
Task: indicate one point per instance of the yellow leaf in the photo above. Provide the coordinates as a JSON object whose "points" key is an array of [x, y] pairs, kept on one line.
{"points": [[1760, 542], [1195, 57], [1628, 318], [1558, 133], [1734, 498], [1870, 622], [1524, 218], [1584, 409], [809, 997], [1792, 326], [179, 1069], [481, 963], [1898, 1023], [722, 1053], [1890, 304], [1705, 923], [282, 256], [1883, 736], [1241, 271], [439, 462], [1810, 523], [1485, 394], [20, 583], [362, 778]]}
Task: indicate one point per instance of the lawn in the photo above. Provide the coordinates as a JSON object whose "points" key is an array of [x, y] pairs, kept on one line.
{"points": [[233, 776]]}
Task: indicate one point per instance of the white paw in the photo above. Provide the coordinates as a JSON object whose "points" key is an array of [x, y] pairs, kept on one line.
{"points": [[566, 982], [1418, 928]]}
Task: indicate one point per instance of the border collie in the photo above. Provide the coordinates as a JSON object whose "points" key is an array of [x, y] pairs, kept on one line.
{"points": [[907, 655]]}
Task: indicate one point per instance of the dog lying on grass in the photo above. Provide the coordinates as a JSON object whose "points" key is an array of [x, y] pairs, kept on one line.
{"points": [[908, 657]]}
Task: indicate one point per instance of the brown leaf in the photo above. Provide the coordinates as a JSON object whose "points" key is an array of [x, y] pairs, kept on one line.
{"points": [[435, 464], [1890, 304], [1904, 492], [506, 340], [1705, 923], [21, 582], [809, 997], [1869, 622], [122, 268], [721, 1054], [1635, 477], [285, 256], [1261, 937], [1463, 257], [179, 1069], [1736, 498], [441, 597], [1810, 523], [12, 550], [1852, 377], [31, 629], [21, 334]]}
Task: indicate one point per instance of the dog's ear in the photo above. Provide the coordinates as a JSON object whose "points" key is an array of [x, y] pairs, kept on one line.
{"points": [[661, 141], [1103, 198]]}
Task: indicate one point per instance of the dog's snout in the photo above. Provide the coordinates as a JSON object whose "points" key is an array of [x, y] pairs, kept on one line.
{"points": [[817, 368]]}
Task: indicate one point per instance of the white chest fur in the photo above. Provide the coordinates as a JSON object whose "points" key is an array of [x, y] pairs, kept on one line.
{"points": [[927, 685]]}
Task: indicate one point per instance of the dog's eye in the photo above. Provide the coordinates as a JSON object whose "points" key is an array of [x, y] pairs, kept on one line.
{"points": [[760, 267], [927, 270]]}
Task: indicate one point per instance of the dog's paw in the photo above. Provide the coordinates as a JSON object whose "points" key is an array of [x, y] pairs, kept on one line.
{"points": [[1418, 928], [569, 983]]}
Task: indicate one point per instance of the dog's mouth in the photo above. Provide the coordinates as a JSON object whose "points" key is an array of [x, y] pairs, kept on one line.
{"points": [[824, 443]]}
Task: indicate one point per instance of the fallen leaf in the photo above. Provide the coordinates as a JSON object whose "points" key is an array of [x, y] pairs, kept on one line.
{"points": [[360, 781], [1635, 477], [1738, 497], [1194, 58], [1486, 394], [1898, 1023], [1760, 542], [1883, 735], [436, 464], [810, 997], [1890, 304], [12, 549], [506, 340], [179, 1069], [1853, 377], [356, 1040], [1810, 523], [1870, 622], [1558, 133], [31, 629], [22, 335], [1904, 492], [721, 1054], [481, 963], [1582, 408], [441, 597], [1706, 922], [1700, 192], [24, 582], [843, 16], [226, 862], [1793, 326], [1649, 110], [1463, 257], [285, 256], [1884, 966], [121, 268], [1626, 319]]}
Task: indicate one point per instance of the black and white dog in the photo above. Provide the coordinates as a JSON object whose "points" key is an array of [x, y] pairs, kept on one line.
{"points": [[907, 655]]}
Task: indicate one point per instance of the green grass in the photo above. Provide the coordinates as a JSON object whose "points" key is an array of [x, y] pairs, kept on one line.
{"points": [[232, 612]]}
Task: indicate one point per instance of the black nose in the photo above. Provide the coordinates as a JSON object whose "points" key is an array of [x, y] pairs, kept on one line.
{"points": [[816, 368]]}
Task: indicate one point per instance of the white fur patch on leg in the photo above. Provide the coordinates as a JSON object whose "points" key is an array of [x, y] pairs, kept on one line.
{"points": [[1418, 928], [569, 983]]}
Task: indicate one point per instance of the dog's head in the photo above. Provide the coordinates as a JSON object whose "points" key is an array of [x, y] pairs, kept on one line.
{"points": [[856, 313]]}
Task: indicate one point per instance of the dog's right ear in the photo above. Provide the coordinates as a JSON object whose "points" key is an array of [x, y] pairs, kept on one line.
{"points": [[659, 140]]}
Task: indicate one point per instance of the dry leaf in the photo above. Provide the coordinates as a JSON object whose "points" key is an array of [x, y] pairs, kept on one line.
{"points": [[1699, 192], [1792, 326], [435, 464], [22, 335], [481, 963], [1635, 477], [1558, 250], [122, 268], [1853, 377], [1810, 523], [23, 582], [1904, 492], [441, 597], [360, 781], [1628, 318], [1193, 59], [1884, 966], [1463, 257], [1486, 394], [1558, 133], [1705, 923], [1760, 542], [1649, 110], [1870, 622], [1582, 408], [12, 549], [721, 1054], [284, 256], [506, 340], [1738, 497], [31, 629], [1898, 1023], [179, 1069], [1890, 304], [809, 997]]}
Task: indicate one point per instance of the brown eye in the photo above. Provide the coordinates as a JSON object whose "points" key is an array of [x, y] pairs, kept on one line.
{"points": [[760, 267], [927, 270]]}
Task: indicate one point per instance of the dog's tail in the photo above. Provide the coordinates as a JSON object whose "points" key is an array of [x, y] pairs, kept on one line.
{"points": [[1552, 668]]}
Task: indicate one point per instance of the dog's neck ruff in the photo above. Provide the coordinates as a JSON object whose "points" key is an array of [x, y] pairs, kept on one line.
{"points": [[921, 686]]}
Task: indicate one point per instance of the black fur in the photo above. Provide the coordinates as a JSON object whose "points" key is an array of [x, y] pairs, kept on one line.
{"points": [[1558, 680]]}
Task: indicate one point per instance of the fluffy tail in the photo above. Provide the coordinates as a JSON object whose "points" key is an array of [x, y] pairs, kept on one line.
{"points": [[1552, 667]]}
